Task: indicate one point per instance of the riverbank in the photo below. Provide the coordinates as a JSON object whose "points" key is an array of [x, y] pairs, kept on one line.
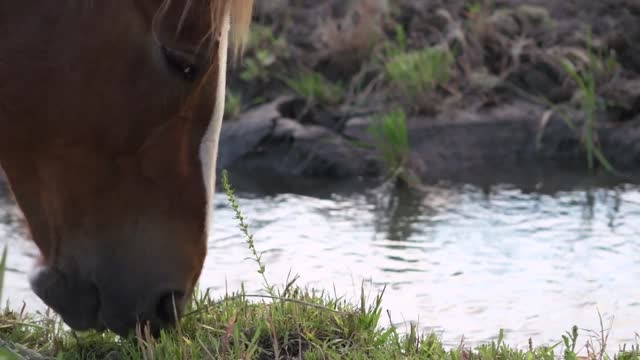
{"points": [[487, 87]]}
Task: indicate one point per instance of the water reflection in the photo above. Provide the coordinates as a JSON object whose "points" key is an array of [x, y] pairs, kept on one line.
{"points": [[397, 211]]}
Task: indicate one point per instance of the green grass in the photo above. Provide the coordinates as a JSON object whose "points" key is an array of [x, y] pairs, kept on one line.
{"points": [[397, 45], [391, 139], [235, 327], [3, 268], [258, 67], [415, 73], [586, 79], [315, 89], [265, 52], [233, 105], [297, 324], [290, 323], [474, 9]]}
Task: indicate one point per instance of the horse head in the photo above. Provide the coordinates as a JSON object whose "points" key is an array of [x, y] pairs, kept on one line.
{"points": [[109, 117]]}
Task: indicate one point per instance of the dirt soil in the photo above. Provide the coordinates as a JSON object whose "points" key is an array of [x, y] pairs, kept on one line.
{"points": [[507, 102]]}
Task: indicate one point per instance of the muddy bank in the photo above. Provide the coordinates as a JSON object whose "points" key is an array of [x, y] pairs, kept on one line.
{"points": [[318, 74]]}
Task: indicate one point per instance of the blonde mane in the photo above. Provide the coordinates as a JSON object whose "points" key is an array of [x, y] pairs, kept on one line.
{"points": [[230, 21], [240, 12]]}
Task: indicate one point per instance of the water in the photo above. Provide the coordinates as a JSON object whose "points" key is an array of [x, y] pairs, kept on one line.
{"points": [[458, 259]]}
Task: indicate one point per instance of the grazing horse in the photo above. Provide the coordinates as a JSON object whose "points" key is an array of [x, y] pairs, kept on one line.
{"points": [[110, 114]]}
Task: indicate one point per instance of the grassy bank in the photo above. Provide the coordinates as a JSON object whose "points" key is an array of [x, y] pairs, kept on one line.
{"points": [[283, 322], [297, 324]]}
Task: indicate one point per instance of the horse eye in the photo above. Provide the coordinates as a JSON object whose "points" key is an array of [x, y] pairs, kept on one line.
{"points": [[180, 62]]}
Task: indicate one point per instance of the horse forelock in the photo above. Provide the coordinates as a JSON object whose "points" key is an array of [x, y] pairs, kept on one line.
{"points": [[240, 12]]}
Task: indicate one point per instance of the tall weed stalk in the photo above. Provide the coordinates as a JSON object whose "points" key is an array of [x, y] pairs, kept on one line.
{"points": [[244, 228]]}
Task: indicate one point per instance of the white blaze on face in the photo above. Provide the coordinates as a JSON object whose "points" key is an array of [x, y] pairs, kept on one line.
{"points": [[209, 144]]}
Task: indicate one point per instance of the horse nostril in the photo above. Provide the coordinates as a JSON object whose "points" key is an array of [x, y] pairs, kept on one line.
{"points": [[169, 307]]}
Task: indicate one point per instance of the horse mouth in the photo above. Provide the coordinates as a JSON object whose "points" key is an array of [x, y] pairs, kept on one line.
{"points": [[82, 307]]}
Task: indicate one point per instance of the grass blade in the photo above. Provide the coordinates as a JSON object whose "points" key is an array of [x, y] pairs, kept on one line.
{"points": [[3, 268]]}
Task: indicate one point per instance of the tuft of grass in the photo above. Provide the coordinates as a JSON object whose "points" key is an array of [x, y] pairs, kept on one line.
{"points": [[300, 322], [590, 103], [258, 66], [587, 85], [391, 139], [474, 9], [264, 52], [315, 89], [421, 71], [398, 45], [233, 105]]}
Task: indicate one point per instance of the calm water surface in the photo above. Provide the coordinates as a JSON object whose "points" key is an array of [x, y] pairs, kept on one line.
{"points": [[457, 259]]}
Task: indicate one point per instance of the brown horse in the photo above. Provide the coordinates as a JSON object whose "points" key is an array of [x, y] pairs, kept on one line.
{"points": [[110, 113]]}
